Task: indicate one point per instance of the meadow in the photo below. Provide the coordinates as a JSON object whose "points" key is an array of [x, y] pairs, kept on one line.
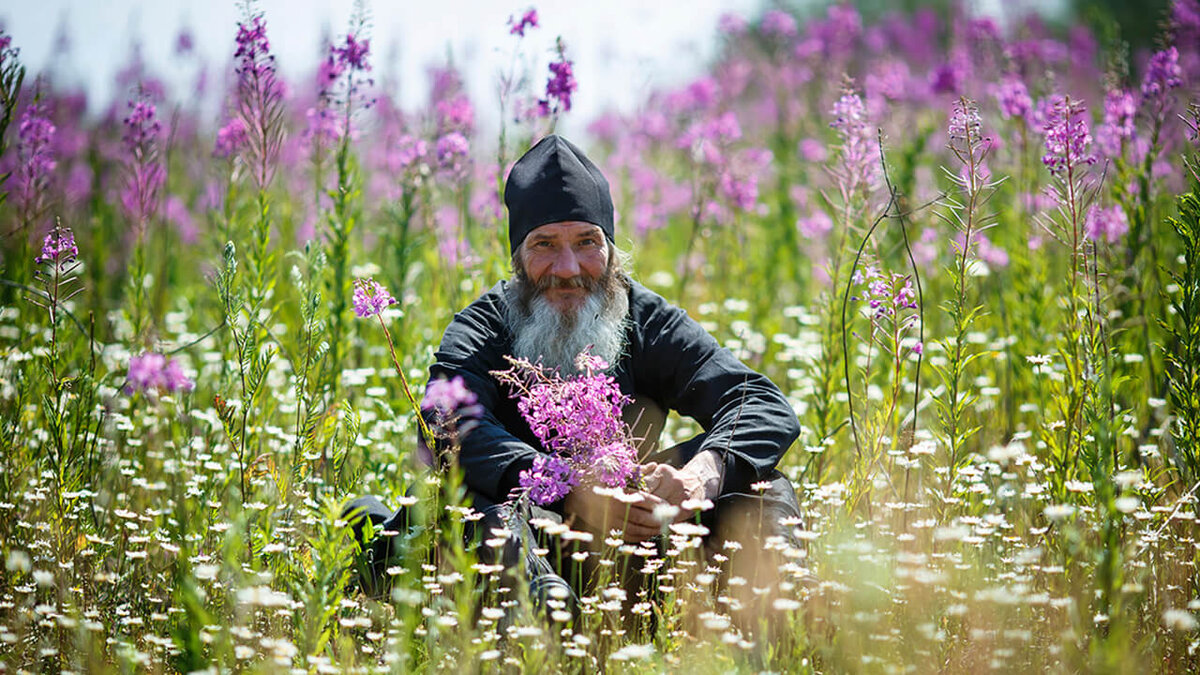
{"points": [[968, 253]]}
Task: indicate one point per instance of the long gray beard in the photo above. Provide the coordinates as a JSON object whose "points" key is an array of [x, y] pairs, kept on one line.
{"points": [[542, 333]]}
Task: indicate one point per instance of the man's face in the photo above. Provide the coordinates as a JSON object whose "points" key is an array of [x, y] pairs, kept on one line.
{"points": [[565, 261]]}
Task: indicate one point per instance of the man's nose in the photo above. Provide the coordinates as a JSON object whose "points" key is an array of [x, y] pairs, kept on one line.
{"points": [[566, 264]]}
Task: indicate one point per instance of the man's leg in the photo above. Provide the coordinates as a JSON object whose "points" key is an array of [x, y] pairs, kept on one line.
{"points": [[760, 526], [386, 526], [505, 538]]}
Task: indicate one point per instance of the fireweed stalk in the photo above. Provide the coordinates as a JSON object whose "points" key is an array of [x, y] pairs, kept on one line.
{"points": [[511, 85], [1134, 185], [35, 163], [67, 417], [1068, 156], [346, 69], [891, 306], [260, 109], [141, 198], [370, 299], [853, 171], [967, 218]]}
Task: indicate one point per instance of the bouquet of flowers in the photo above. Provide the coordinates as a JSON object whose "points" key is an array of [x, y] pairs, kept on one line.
{"points": [[578, 420]]}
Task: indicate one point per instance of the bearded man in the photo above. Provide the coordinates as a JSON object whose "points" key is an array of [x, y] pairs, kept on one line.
{"points": [[569, 292]]}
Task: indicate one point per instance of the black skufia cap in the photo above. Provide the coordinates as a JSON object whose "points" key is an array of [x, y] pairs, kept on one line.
{"points": [[554, 182]]}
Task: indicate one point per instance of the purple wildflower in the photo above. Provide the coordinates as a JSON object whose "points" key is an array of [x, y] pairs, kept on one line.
{"points": [[549, 479], [528, 20], [58, 248], [886, 294], [455, 114], [35, 159], [1067, 136], [353, 53], [370, 298], [1108, 223], [146, 173], [154, 372], [448, 395], [779, 24], [731, 24], [1119, 111], [1162, 74], [560, 86], [578, 421], [452, 151], [965, 123], [1013, 98], [260, 99], [184, 42], [850, 121], [451, 408], [231, 138]]}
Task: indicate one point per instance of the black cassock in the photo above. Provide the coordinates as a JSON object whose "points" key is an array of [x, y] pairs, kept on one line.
{"points": [[670, 363], [669, 360]]}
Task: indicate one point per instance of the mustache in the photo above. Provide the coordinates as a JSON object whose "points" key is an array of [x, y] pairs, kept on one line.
{"points": [[548, 282]]}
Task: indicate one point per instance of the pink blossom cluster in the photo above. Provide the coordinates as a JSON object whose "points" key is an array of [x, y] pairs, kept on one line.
{"points": [[1107, 223], [35, 139], [59, 247], [146, 174], [155, 372], [528, 20], [370, 298], [578, 421], [1118, 126], [886, 294], [452, 406], [1068, 139], [857, 164]]}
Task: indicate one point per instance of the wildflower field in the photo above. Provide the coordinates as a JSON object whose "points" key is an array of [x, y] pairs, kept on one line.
{"points": [[967, 252]]}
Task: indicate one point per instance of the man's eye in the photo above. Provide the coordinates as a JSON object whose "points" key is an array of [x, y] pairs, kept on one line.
{"points": [[589, 242]]}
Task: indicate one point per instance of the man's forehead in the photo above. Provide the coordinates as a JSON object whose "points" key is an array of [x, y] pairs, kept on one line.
{"points": [[570, 228]]}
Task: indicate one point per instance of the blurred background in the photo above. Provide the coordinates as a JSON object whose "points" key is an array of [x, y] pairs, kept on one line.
{"points": [[631, 48]]}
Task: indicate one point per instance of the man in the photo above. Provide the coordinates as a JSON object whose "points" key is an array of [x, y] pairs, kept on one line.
{"points": [[570, 292]]}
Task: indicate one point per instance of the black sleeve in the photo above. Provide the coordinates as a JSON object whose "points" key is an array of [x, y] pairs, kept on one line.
{"points": [[473, 345], [749, 421]]}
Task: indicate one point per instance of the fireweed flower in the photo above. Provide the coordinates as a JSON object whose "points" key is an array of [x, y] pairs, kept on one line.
{"points": [[548, 480], [1013, 98], [260, 99], [528, 20], [35, 161], [344, 83], [146, 173], [231, 138], [857, 163], [452, 151], [1108, 223], [1117, 128], [370, 298], [1067, 136], [155, 372], [1162, 75], [450, 406], [58, 248], [560, 86], [578, 421]]}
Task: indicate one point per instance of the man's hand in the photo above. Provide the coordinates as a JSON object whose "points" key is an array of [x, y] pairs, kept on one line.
{"points": [[599, 512], [698, 480]]}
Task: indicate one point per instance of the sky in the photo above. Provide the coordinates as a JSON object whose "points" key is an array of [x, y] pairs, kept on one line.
{"points": [[622, 49]]}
